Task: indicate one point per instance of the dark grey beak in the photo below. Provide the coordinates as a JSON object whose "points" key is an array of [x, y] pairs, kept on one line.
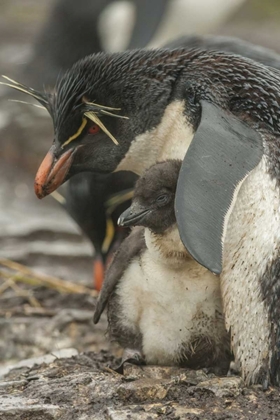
{"points": [[133, 215]]}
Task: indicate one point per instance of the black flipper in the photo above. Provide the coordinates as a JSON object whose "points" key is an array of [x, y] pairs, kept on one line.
{"points": [[130, 248], [223, 151]]}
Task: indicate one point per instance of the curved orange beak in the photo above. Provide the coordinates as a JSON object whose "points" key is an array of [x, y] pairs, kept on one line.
{"points": [[98, 272], [52, 172]]}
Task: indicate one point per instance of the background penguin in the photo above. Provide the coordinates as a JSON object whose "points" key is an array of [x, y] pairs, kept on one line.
{"points": [[153, 104], [95, 202], [71, 32], [160, 301]]}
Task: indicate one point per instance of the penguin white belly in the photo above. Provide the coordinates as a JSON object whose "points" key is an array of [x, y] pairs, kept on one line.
{"points": [[170, 307], [251, 243]]}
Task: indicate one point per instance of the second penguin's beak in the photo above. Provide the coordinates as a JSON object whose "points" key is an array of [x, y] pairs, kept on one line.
{"points": [[133, 216], [98, 272], [53, 172]]}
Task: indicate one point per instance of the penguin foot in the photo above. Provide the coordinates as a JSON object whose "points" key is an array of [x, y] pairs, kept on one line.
{"points": [[235, 368], [222, 369], [216, 370], [130, 356]]}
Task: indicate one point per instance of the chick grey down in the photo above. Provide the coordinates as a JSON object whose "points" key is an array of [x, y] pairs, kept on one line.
{"points": [[160, 301]]}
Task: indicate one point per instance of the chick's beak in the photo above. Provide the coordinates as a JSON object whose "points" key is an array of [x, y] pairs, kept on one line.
{"points": [[133, 216], [52, 172]]}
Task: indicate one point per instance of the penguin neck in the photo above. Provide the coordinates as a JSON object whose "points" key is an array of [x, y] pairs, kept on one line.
{"points": [[167, 247], [169, 140]]}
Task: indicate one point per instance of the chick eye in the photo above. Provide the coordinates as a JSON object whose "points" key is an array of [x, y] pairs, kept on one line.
{"points": [[162, 199], [94, 129]]}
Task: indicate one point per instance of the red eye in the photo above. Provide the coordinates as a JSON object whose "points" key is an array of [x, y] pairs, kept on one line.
{"points": [[94, 129]]}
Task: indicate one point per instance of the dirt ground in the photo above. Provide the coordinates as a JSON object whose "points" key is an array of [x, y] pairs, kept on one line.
{"points": [[54, 364]]}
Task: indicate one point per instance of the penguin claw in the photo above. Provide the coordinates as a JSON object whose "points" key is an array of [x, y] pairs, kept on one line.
{"points": [[265, 385], [134, 357]]}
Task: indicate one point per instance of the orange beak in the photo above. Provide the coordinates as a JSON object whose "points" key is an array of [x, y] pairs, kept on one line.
{"points": [[52, 172], [98, 272]]}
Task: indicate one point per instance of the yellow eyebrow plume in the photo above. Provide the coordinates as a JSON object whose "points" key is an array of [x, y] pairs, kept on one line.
{"points": [[18, 86], [117, 199], [27, 103], [93, 117], [84, 99], [110, 232], [82, 126], [111, 205]]}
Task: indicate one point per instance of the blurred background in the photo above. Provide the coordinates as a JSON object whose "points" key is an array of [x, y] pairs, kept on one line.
{"points": [[39, 39]]}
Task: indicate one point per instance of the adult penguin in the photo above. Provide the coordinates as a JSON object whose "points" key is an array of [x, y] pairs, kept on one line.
{"points": [[69, 34], [220, 113]]}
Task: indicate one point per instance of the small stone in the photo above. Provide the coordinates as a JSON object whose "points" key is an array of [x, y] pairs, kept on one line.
{"points": [[143, 390], [47, 358], [223, 387]]}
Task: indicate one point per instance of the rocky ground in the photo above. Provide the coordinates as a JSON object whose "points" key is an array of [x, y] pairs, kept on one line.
{"points": [[54, 364], [84, 387]]}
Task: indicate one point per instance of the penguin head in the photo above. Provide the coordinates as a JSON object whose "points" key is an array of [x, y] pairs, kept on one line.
{"points": [[98, 108], [153, 201]]}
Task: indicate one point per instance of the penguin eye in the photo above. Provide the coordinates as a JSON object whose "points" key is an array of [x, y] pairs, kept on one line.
{"points": [[162, 199], [94, 129]]}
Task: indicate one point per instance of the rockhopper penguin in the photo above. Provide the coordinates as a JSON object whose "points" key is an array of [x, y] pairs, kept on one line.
{"points": [[95, 202], [87, 193], [220, 114], [161, 302], [69, 33]]}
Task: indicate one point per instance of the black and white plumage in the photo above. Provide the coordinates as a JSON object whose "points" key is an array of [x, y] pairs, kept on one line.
{"points": [[172, 98], [160, 301]]}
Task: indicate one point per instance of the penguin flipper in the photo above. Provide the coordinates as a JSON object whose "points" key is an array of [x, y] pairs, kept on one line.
{"points": [[223, 152], [130, 248]]}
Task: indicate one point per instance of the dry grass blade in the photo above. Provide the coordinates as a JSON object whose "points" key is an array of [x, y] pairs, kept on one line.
{"points": [[6, 285], [26, 275], [10, 283], [27, 294]]}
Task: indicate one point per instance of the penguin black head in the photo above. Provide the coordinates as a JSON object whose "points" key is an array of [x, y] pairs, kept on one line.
{"points": [[97, 110], [99, 107], [153, 201]]}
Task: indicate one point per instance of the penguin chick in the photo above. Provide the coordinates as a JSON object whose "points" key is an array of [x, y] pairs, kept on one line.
{"points": [[160, 301]]}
